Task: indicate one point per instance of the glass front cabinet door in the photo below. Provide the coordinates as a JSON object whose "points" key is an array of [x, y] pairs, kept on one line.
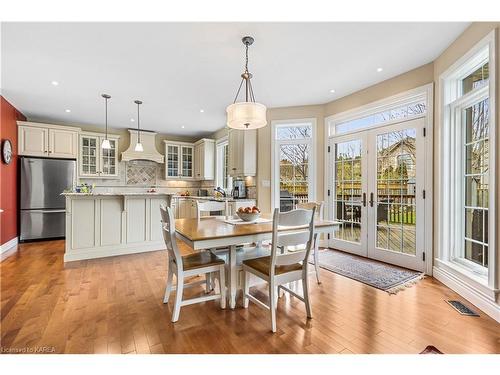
{"points": [[94, 161], [179, 160]]}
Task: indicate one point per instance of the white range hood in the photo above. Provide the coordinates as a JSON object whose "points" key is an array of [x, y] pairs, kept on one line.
{"points": [[148, 142]]}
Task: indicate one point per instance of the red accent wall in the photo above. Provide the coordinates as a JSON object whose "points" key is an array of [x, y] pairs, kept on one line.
{"points": [[8, 173]]}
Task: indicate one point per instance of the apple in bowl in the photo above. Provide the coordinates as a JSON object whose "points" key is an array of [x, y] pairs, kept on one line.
{"points": [[248, 213]]}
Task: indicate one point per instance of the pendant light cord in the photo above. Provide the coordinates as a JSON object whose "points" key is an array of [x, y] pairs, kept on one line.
{"points": [[138, 124], [106, 117]]}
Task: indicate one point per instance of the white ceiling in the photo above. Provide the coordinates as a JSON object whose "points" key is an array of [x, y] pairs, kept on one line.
{"points": [[177, 69]]}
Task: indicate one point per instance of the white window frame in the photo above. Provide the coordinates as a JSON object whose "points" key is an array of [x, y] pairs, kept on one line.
{"points": [[451, 198], [426, 93], [219, 147], [275, 187]]}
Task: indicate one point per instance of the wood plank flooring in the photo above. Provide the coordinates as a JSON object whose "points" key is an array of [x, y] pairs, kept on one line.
{"points": [[114, 305]]}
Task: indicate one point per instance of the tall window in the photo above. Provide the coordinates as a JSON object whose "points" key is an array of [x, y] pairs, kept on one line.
{"points": [[468, 130], [293, 155], [222, 164]]}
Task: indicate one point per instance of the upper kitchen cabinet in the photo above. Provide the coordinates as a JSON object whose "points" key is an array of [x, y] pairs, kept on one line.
{"points": [[53, 141], [204, 159], [179, 160], [94, 161], [242, 153]]}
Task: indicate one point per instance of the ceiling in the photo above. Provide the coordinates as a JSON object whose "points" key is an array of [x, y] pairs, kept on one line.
{"points": [[179, 69]]}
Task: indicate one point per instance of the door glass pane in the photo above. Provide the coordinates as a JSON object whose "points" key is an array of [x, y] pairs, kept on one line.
{"points": [[396, 189], [294, 175], [187, 161], [89, 153], [347, 185], [172, 161]]}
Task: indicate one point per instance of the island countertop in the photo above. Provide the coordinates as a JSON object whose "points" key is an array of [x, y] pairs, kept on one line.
{"points": [[74, 194]]}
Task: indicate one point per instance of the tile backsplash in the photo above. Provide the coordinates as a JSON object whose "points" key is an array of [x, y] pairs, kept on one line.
{"points": [[140, 174]]}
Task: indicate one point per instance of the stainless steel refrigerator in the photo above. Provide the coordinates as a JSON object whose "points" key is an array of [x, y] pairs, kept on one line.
{"points": [[42, 207]]}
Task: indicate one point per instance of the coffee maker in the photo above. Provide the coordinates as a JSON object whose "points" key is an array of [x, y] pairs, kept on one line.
{"points": [[239, 189]]}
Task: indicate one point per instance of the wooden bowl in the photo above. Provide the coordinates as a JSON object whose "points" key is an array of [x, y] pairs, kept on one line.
{"points": [[252, 216]]}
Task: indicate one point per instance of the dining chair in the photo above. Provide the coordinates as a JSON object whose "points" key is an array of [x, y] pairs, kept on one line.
{"points": [[203, 262], [210, 206], [207, 207], [319, 215], [278, 269]]}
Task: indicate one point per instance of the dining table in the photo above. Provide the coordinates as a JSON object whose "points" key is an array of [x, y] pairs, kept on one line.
{"points": [[211, 232]]}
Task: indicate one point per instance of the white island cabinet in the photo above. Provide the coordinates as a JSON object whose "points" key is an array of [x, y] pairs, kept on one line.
{"points": [[102, 225]]}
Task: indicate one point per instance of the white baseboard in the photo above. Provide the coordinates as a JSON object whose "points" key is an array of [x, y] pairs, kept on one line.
{"points": [[8, 248], [470, 294]]}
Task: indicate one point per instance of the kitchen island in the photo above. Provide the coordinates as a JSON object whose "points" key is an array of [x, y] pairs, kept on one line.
{"points": [[107, 224]]}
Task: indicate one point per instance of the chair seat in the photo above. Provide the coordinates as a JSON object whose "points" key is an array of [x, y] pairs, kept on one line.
{"points": [[263, 265], [200, 259]]}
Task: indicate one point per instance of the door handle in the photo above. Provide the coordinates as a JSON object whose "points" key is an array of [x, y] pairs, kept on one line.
{"points": [[364, 199], [48, 212], [371, 199]]}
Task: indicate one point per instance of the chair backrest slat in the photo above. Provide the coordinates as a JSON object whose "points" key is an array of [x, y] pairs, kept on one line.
{"points": [[310, 205], [210, 206], [169, 235], [303, 235]]}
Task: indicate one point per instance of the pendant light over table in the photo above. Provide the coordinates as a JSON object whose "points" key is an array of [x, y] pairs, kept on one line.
{"points": [[248, 114], [138, 146]]}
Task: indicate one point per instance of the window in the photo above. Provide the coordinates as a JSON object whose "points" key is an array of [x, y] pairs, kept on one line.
{"points": [[292, 165], [222, 163], [466, 158], [403, 112]]}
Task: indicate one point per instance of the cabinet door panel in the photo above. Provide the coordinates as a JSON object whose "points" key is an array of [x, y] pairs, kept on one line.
{"points": [[136, 220], [63, 143], [33, 141], [109, 159], [89, 156], [187, 161], [111, 221], [83, 223], [172, 161]]}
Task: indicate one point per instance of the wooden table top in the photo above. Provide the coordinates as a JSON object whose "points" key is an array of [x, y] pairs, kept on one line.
{"points": [[211, 227]]}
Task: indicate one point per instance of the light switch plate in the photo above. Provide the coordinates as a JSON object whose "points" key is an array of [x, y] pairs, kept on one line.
{"points": [[266, 183]]}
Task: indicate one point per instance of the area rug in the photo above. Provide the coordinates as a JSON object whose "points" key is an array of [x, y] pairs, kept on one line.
{"points": [[383, 276]]}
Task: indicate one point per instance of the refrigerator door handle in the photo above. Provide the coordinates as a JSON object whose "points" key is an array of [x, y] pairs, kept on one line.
{"points": [[47, 211]]}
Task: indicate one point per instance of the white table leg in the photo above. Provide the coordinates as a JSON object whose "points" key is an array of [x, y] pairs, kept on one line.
{"points": [[232, 277]]}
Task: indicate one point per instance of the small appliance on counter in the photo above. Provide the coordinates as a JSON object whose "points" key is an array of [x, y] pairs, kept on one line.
{"points": [[202, 192], [239, 189]]}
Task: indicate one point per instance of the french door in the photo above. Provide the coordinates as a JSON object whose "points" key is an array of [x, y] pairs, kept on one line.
{"points": [[376, 192]]}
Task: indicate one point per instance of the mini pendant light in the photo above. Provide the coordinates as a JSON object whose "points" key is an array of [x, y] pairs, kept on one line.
{"points": [[138, 146], [105, 143], [248, 114]]}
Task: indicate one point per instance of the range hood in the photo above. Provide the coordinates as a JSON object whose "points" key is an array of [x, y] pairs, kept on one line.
{"points": [[148, 142]]}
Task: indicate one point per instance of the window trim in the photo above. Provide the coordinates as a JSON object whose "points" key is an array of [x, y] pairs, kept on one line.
{"points": [[450, 91], [220, 143], [312, 161]]}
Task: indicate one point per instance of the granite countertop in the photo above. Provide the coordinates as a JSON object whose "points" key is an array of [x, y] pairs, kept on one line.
{"points": [[211, 198], [114, 194]]}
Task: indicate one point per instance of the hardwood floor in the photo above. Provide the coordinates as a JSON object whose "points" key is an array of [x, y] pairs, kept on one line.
{"points": [[114, 305]]}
